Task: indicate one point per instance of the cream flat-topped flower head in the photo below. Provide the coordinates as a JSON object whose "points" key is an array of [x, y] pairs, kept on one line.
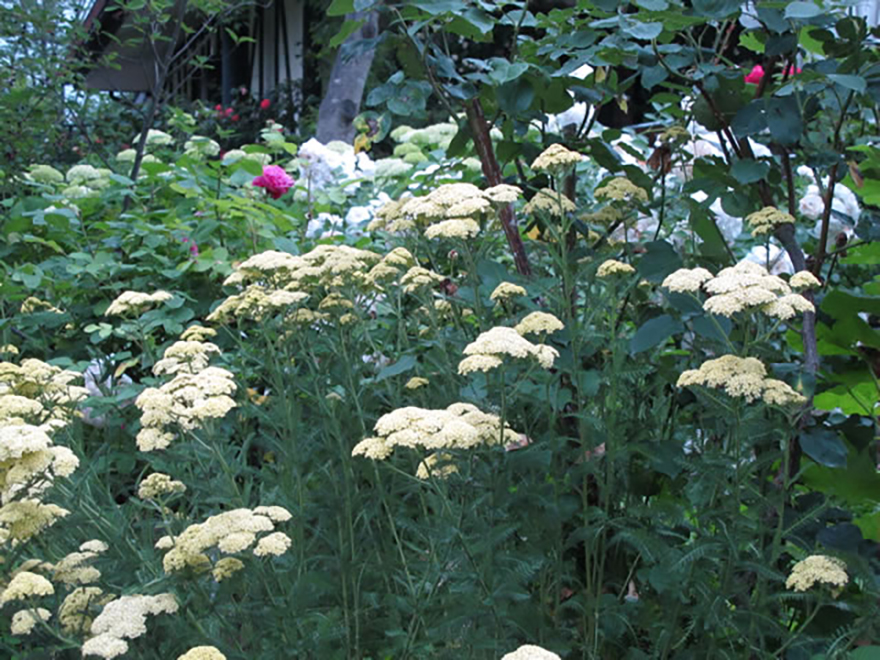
{"points": [[746, 287], [122, 619], [24, 586], [135, 302], [530, 652], [506, 291], [550, 202], [483, 363], [157, 485], [79, 608], [621, 189], [416, 383], [274, 544], [607, 216], [503, 194], [460, 426], [556, 159], [612, 267], [230, 532], [817, 569], [804, 279], [687, 280], [767, 220], [462, 228], [741, 377], [490, 347], [23, 621], [202, 653], [538, 323], [418, 278], [438, 465]]}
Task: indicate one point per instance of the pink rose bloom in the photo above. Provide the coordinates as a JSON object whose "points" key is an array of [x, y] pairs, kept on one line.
{"points": [[787, 70], [275, 180], [265, 103], [755, 75]]}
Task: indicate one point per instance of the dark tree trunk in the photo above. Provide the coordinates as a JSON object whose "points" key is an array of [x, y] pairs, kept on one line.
{"points": [[342, 101]]}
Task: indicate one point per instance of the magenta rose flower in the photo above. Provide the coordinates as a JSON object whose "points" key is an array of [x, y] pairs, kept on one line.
{"points": [[275, 180]]}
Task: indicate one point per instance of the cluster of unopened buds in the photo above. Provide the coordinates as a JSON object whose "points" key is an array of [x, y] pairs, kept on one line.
{"points": [[755, 76], [232, 115], [193, 246], [226, 113]]}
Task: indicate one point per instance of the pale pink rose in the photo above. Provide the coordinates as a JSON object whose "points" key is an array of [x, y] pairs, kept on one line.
{"points": [[275, 180]]}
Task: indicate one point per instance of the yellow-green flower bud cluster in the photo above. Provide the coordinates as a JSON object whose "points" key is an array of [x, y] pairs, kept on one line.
{"points": [[767, 220]]}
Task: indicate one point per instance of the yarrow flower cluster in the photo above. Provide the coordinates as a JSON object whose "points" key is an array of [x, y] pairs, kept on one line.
{"points": [[202, 653], [230, 532], [460, 426], [741, 377], [556, 159], [767, 220], [75, 568], [530, 652], [159, 484], [79, 608], [135, 302], [123, 619], [187, 402], [746, 287], [804, 279], [550, 202], [621, 189], [506, 291], [185, 357], [817, 569], [36, 400], [197, 393], [613, 267], [277, 282], [538, 323], [452, 210], [487, 351], [26, 585]]}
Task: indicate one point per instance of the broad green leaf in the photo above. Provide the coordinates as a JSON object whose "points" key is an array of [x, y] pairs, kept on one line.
{"points": [[340, 7], [802, 10], [654, 332], [348, 28], [404, 364], [749, 171], [751, 41], [660, 260], [784, 119], [515, 97], [824, 446], [855, 83], [858, 399], [436, 7], [863, 255]]}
